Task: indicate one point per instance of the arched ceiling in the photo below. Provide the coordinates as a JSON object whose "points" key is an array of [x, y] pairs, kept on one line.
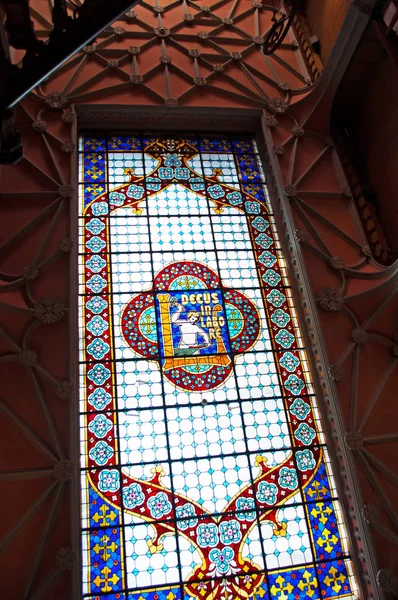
{"points": [[171, 56]]}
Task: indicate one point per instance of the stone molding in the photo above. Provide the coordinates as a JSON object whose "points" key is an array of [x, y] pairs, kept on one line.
{"points": [[109, 117]]}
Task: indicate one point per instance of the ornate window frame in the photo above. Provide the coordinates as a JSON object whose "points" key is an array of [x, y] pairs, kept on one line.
{"points": [[166, 120]]}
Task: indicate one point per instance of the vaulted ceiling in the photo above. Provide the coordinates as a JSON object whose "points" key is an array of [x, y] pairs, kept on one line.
{"points": [[185, 66]]}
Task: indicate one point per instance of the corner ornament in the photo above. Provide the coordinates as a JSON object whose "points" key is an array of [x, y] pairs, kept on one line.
{"points": [[387, 581], [278, 106], [330, 299]]}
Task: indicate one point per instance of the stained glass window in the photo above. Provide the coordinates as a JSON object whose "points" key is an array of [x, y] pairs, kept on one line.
{"points": [[205, 473]]}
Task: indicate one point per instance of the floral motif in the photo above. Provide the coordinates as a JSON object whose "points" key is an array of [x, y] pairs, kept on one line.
{"points": [[230, 532], [68, 147], [294, 384], [267, 493], [98, 348], [305, 460], [99, 209], [133, 495], [235, 198], [353, 440], [39, 126], [336, 372], [153, 183], [30, 272], [221, 559], [247, 505], [337, 263], [136, 79], [109, 480], [264, 241], [207, 535], [304, 433], [64, 390], [96, 244], [166, 173], [64, 469], [267, 259], [95, 264], [216, 191], [135, 191], [159, 505], [253, 208], [188, 516], [68, 117], [276, 298], [243, 147], [65, 245], [197, 184], [49, 310], [117, 198], [27, 358], [95, 226], [269, 121], [260, 224], [96, 305], [56, 100], [96, 284], [301, 236], [280, 318], [288, 478], [101, 453], [289, 362], [97, 325], [331, 299], [290, 190], [65, 559], [99, 374], [279, 149], [99, 399], [298, 131], [172, 160], [284, 338], [360, 336], [100, 426], [370, 513], [182, 173], [300, 409], [271, 277], [277, 105]]}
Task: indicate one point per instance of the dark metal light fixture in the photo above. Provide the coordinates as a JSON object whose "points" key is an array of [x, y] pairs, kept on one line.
{"points": [[282, 21], [70, 33]]}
